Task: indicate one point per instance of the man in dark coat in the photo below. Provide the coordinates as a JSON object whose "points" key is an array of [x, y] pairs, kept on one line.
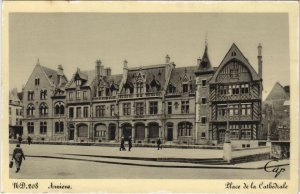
{"points": [[122, 146], [29, 140], [158, 144], [129, 143], [20, 139], [18, 156]]}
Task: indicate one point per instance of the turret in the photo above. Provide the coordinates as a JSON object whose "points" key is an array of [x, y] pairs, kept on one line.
{"points": [[167, 59]]}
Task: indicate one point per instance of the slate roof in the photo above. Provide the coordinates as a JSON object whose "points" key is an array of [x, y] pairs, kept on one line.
{"points": [[88, 76], [239, 56], [278, 92], [52, 76], [154, 72], [179, 73]]}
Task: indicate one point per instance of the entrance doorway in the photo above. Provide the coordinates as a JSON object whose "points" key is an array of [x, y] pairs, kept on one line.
{"points": [[71, 132], [170, 133], [112, 132], [127, 131]]}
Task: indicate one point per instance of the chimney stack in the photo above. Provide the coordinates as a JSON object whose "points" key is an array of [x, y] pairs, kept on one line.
{"points": [[167, 59], [60, 73], [260, 62], [99, 68]]}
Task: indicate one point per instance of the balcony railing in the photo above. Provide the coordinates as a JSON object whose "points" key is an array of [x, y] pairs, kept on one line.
{"points": [[104, 97], [141, 95], [191, 93]]}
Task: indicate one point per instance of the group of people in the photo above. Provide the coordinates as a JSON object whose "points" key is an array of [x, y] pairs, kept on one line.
{"points": [[18, 154], [122, 145]]}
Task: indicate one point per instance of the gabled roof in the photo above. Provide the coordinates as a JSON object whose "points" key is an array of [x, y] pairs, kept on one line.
{"points": [[53, 76], [205, 64], [179, 73], [278, 92], [88, 76], [237, 56]]}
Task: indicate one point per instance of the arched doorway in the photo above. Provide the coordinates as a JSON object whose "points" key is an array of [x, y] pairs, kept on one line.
{"points": [[71, 132], [153, 130], [127, 131], [140, 131], [111, 132], [82, 130], [169, 131]]}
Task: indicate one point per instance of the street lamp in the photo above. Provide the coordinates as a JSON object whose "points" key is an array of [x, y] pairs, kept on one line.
{"points": [[227, 132], [227, 149]]}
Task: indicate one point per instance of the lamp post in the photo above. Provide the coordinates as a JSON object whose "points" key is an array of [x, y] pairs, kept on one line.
{"points": [[227, 149]]}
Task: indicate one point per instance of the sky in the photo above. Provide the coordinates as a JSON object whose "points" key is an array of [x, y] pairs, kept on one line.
{"points": [[79, 39]]}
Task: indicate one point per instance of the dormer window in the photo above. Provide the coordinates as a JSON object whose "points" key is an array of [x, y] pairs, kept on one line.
{"points": [[78, 82], [37, 81], [127, 91], [233, 54], [171, 89], [139, 88], [113, 93], [185, 88]]}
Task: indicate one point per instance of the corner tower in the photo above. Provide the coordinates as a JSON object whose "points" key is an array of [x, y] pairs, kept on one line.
{"points": [[203, 74]]}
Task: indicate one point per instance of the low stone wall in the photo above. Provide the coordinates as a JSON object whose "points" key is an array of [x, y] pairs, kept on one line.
{"points": [[250, 151]]}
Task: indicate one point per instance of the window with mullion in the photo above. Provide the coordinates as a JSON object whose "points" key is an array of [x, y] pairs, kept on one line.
{"points": [[153, 108], [185, 106], [139, 108]]}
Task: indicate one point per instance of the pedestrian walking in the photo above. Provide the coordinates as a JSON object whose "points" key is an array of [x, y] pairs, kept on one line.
{"points": [[18, 156], [129, 144], [29, 140], [20, 139], [122, 146], [159, 144]]}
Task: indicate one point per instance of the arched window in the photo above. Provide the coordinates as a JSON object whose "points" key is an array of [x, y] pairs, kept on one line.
{"points": [[185, 129], [59, 127], [43, 109], [30, 110], [43, 94], [59, 108]]}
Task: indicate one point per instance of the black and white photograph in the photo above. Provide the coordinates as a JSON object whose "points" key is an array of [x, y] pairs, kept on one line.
{"points": [[168, 96]]}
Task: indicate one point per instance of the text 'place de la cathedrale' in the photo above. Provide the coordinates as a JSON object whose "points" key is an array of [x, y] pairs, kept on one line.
{"points": [[180, 105]]}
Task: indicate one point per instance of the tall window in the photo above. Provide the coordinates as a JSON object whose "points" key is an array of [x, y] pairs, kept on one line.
{"points": [[244, 88], [43, 109], [139, 108], [222, 109], [84, 95], [169, 107], [59, 109], [233, 110], [171, 89], [234, 131], [59, 127], [235, 89], [71, 112], [71, 96], [85, 112], [185, 88], [30, 127], [30, 95], [100, 111], [37, 81], [43, 94], [223, 90], [246, 109], [101, 92], [184, 129], [78, 82], [153, 108], [43, 127], [126, 108], [112, 110], [203, 101], [204, 83], [203, 120], [78, 112], [30, 110], [185, 106], [246, 131], [77, 95], [139, 88]]}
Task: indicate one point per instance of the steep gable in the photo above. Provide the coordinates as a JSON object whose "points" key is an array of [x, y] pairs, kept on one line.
{"points": [[234, 53], [278, 92]]}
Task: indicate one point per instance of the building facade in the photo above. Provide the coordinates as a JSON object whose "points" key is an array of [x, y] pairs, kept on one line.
{"points": [[15, 114], [180, 105], [41, 105]]}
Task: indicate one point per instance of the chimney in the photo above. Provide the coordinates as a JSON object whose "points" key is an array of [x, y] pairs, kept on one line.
{"points": [[260, 62], [167, 59], [99, 68], [60, 73]]}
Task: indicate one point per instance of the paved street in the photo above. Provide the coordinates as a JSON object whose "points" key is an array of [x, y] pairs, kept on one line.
{"points": [[50, 161]]}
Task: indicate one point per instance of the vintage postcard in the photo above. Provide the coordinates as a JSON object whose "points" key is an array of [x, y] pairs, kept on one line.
{"points": [[140, 97]]}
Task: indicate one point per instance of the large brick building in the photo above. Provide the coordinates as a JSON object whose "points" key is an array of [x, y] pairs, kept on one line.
{"points": [[189, 105]]}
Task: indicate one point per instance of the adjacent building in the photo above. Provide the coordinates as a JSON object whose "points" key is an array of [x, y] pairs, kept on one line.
{"points": [[181, 105], [15, 114]]}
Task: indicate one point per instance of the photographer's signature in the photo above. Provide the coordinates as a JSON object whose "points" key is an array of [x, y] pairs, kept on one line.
{"points": [[277, 170]]}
